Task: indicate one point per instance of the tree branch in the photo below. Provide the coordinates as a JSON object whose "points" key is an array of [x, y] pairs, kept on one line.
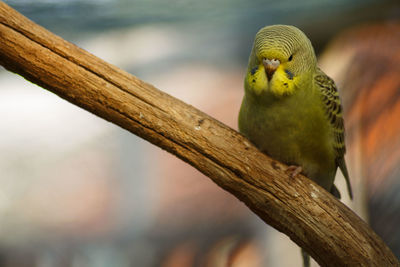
{"points": [[311, 217]]}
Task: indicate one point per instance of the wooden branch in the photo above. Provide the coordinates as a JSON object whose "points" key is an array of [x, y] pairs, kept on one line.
{"points": [[327, 229]]}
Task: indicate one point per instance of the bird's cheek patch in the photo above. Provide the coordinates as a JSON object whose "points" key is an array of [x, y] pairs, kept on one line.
{"points": [[290, 75], [257, 80], [283, 83]]}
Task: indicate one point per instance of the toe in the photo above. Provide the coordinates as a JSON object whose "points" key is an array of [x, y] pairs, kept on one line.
{"points": [[293, 170]]}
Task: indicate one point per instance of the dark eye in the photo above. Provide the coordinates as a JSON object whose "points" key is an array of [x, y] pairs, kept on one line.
{"points": [[290, 58]]}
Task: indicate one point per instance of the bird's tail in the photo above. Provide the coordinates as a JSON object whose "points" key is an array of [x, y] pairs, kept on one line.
{"points": [[335, 192], [306, 258], [343, 168]]}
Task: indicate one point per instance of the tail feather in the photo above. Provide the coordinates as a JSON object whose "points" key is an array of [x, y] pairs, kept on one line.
{"points": [[306, 258], [343, 168], [335, 192]]}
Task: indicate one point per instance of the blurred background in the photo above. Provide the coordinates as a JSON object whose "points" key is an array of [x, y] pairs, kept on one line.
{"points": [[77, 191]]}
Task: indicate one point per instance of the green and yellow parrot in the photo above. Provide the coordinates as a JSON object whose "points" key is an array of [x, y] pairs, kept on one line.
{"points": [[291, 110]]}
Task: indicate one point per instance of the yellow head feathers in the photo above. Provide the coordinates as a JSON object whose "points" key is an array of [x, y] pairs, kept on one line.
{"points": [[281, 59]]}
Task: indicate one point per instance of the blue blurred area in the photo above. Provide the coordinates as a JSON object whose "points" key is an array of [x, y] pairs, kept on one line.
{"points": [[79, 191], [217, 23]]}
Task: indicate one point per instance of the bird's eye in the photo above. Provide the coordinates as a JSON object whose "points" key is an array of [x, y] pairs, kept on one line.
{"points": [[290, 58]]}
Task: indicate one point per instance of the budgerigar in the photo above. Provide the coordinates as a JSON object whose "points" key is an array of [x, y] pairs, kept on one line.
{"points": [[291, 109]]}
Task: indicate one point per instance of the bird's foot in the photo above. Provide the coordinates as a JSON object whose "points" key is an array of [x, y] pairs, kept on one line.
{"points": [[294, 170]]}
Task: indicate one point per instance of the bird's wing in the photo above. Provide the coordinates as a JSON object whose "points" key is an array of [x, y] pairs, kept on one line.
{"points": [[333, 109]]}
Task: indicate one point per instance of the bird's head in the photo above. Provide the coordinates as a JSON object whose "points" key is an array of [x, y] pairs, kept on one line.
{"points": [[282, 59]]}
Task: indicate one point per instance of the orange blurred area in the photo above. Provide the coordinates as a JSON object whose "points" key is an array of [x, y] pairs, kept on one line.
{"points": [[370, 87]]}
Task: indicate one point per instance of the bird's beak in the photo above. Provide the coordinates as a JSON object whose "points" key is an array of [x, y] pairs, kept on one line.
{"points": [[270, 66]]}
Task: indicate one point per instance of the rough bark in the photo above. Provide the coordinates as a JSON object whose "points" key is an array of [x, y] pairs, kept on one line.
{"points": [[311, 217]]}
